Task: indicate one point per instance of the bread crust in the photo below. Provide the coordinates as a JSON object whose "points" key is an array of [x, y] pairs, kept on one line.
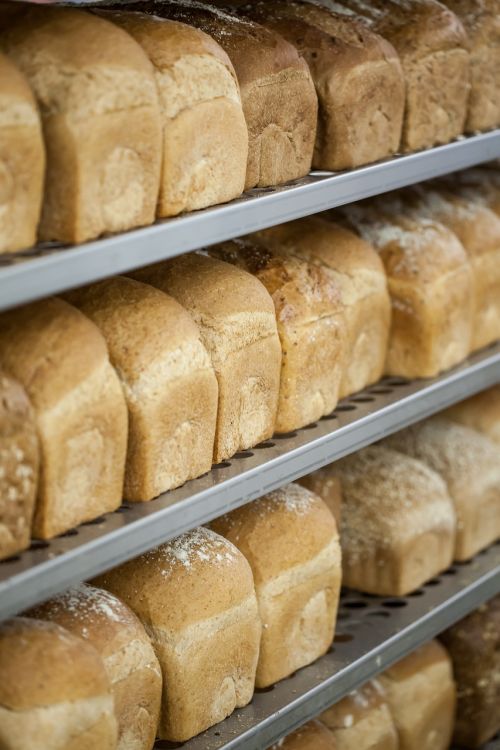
{"points": [[60, 358], [19, 461], [312, 736], [99, 105], [290, 539], [480, 412], [167, 378]]}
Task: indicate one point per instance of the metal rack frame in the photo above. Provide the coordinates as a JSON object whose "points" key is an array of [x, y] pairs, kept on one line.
{"points": [[33, 275], [372, 633], [388, 406]]}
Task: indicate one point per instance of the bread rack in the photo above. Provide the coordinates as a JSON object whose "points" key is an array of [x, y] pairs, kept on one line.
{"points": [[372, 632]]}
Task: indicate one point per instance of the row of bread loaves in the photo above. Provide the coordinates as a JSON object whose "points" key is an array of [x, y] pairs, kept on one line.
{"points": [[186, 105], [223, 614]]}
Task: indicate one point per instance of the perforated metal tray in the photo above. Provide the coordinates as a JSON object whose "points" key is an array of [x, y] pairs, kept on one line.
{"points": [[372, 633], [34, 275]]}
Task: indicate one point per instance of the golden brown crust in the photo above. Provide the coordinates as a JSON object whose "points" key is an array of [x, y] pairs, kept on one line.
{"points": [[19, 461], [312, 736], [324, 483], [480, 413]]}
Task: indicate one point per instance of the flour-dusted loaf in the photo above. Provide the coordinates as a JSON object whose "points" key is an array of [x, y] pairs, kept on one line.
{"points": [[101, 121], [478, 229], [480, 412], [311, 326], [196, 598], [22, 160], [326, 484], [433, 48], [359, 272], [205, 137], [469, 463], [60, 358], [277, 91], [54, 690], [128, 656], [19, 460], [422, 696], [358, 77], [235, 315], [398, 522], [290, 539], [167, 378], [481, 19], [474, 647], [312, 736], [362, 720], [430, 283]]}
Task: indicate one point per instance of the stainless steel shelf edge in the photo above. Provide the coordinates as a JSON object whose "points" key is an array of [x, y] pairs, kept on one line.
{"points": [[372, 633], [386, 407], [38, 276]]}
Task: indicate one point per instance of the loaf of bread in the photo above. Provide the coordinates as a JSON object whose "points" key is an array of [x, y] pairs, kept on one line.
{"points": [[128, 656], [290, 539], [430, 284], [277, 91], [167, 378], [22, 160], [474, 647], [480, 412], [311, 325], [311, 736], [60, 358], [19, 459], [422, 697], [326, 484], [477, 184], [469, 463], [398, 522], [101, 121], [358, 77], [481, 19], [433, 48], [360, 274], [478, 229], [235, 315], [54, 690], [362, 720], [205, 137], [196, 598]]}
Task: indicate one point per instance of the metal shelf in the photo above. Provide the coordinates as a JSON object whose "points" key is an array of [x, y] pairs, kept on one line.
{"points": [[50, 567], [372, 633], [36, 274]]}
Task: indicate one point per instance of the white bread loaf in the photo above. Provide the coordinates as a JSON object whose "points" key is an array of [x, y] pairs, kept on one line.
{"points": [[196, 599], [478, 229], [422, 698], [481, 19], [128, 657], [480, 412], [362, 720], [358, 77], [290, 539], [60, 358], [430, 283], [101, 121], [19, 461], [277, 91], [398, 522], [474, 647], [235, 315], [433, 48], [311, 325], [312, 736], [54, 690], [360, 275], [326, 484], [22, 160], [205, 137], [469, 463], [168, 382]]}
